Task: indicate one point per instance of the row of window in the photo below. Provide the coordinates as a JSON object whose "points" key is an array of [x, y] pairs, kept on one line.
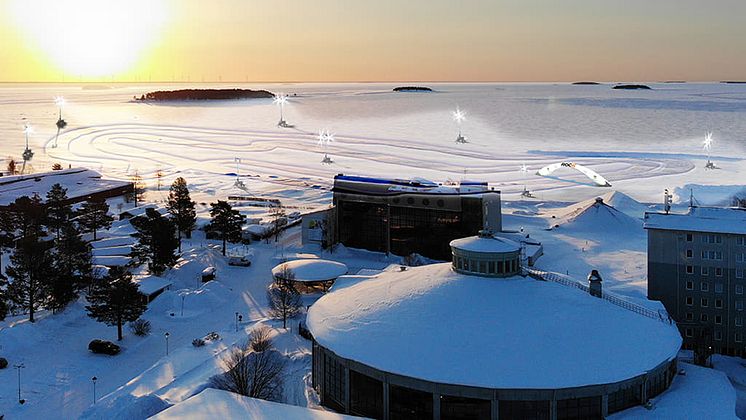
{"points": [[705, 287], [705, 271], [705, 303], [486, 267], [717, 335], [718, 319], [716, 239], [716, 255]]}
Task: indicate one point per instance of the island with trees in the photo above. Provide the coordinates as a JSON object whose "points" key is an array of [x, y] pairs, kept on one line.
{"points": [[632, 87], [412, 89], [205, 95]]}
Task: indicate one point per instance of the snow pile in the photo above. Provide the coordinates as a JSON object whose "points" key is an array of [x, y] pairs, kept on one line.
{"points": [[595, 215], [125, 408], [467, 330], [213, 403], [625, 204], [700, 394]]}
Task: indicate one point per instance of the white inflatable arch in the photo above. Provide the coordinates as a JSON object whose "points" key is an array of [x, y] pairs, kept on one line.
{"points": [[591, 174]]}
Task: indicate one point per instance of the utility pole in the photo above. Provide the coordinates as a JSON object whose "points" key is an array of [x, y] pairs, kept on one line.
{"points": [[18, 368]]}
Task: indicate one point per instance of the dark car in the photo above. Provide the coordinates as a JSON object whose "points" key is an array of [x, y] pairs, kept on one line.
{"points": [[103, 347]]}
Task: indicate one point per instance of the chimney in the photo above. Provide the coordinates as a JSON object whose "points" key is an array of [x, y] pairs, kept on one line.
{"points": [[594, 282]]}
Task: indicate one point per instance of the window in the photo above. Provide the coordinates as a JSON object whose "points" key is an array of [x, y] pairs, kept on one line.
{"points": [[704, 286], [689, 285], [689, 301], [718, 287], [689, 237], [719, 303], [739, 305], [689, 269], [739, 273], [739, 257], [719, 272], [624, 398], [579, 408], [718, 319], [739, 289], [704, 271], [405, 403], [689, 316], [719, 255], [704, 318], [704, 302], [689, 253], [718, 335], [740, 240], [366, 395], [524, 409], [739, 321], [739, 337], [688, 332], [464, 408], [334, 383]]}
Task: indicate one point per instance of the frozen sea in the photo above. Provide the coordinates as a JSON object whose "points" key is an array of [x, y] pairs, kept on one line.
{"points": [[641, 140]]}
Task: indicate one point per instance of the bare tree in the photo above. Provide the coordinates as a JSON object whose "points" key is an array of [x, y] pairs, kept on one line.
{"points": [[253, 373], [284, 300], [259, 339], [278, 221]]}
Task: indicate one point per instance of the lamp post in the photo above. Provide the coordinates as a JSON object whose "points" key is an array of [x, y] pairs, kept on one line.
{"points": [[236, 321], [183, 296], [94, 379], [167, 335], [18, 368]]}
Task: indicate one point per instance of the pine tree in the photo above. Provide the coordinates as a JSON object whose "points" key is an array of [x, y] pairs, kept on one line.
{"points": [[181, 207], [116, 300], [157, 241], [94, 215], [27, 217], [6, 236], [59, 211], [73, 267], [30, 270], [226, 222]]}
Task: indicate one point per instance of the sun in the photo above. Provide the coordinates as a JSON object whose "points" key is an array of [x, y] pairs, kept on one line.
{"points": [[91, 38]]}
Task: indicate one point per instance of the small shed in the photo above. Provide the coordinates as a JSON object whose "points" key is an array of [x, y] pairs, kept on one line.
{"points": [[152, 286], [310, 275]]}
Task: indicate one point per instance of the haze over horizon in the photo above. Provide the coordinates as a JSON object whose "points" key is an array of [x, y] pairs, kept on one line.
{"points": [[385, 41]]}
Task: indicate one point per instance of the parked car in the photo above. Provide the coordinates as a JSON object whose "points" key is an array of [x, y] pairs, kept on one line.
{"points": [[104, 347], [239, 261], [208, 274]]}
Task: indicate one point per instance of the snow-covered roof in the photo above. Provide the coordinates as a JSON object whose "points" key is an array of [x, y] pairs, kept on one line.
{"points": [[484, 243], [212, 403], [311, 270], [79, 182], [701, 219], [152, 284], [435, 324], [391, 186]]}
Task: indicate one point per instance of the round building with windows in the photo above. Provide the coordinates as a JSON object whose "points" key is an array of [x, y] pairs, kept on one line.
{"points": [[473, 339]]}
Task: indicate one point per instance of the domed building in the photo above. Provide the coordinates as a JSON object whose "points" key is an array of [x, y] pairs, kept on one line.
{"points": [[310, 275], [473, 339]]}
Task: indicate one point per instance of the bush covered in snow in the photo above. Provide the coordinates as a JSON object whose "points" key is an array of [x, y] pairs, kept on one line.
{"points": [[198, 342], [141, 327]]}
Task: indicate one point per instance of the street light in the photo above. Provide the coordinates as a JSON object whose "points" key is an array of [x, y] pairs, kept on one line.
{"points": [[239, 319], [18, 368], [183, 295], [167, 335], [94, 379]]}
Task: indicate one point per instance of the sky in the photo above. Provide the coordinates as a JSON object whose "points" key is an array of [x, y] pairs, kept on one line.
{"points": [[382, 40]]}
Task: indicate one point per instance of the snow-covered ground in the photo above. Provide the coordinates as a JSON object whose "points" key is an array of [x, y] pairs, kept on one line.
{"points": [[641, 141]]}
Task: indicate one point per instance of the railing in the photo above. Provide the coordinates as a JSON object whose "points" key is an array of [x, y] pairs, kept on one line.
{"points": [[660, 315]]}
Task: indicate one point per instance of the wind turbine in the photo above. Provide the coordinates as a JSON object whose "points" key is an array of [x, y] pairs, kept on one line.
{"points": [[526, 193], [280, 100], [61, 124], [459, 116], [27, 153], [707, 147], [325, 137]]}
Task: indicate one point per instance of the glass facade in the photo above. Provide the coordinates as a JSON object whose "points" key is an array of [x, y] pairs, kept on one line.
{"points": [[460, 408], [524, 410], [362, 225], [625, 398], [334, 384], [580, 409], [409, 404], [425, 231], [366, 396]]}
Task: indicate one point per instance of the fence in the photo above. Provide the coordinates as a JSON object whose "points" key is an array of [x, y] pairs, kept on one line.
{"points": [[660, 315]]}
